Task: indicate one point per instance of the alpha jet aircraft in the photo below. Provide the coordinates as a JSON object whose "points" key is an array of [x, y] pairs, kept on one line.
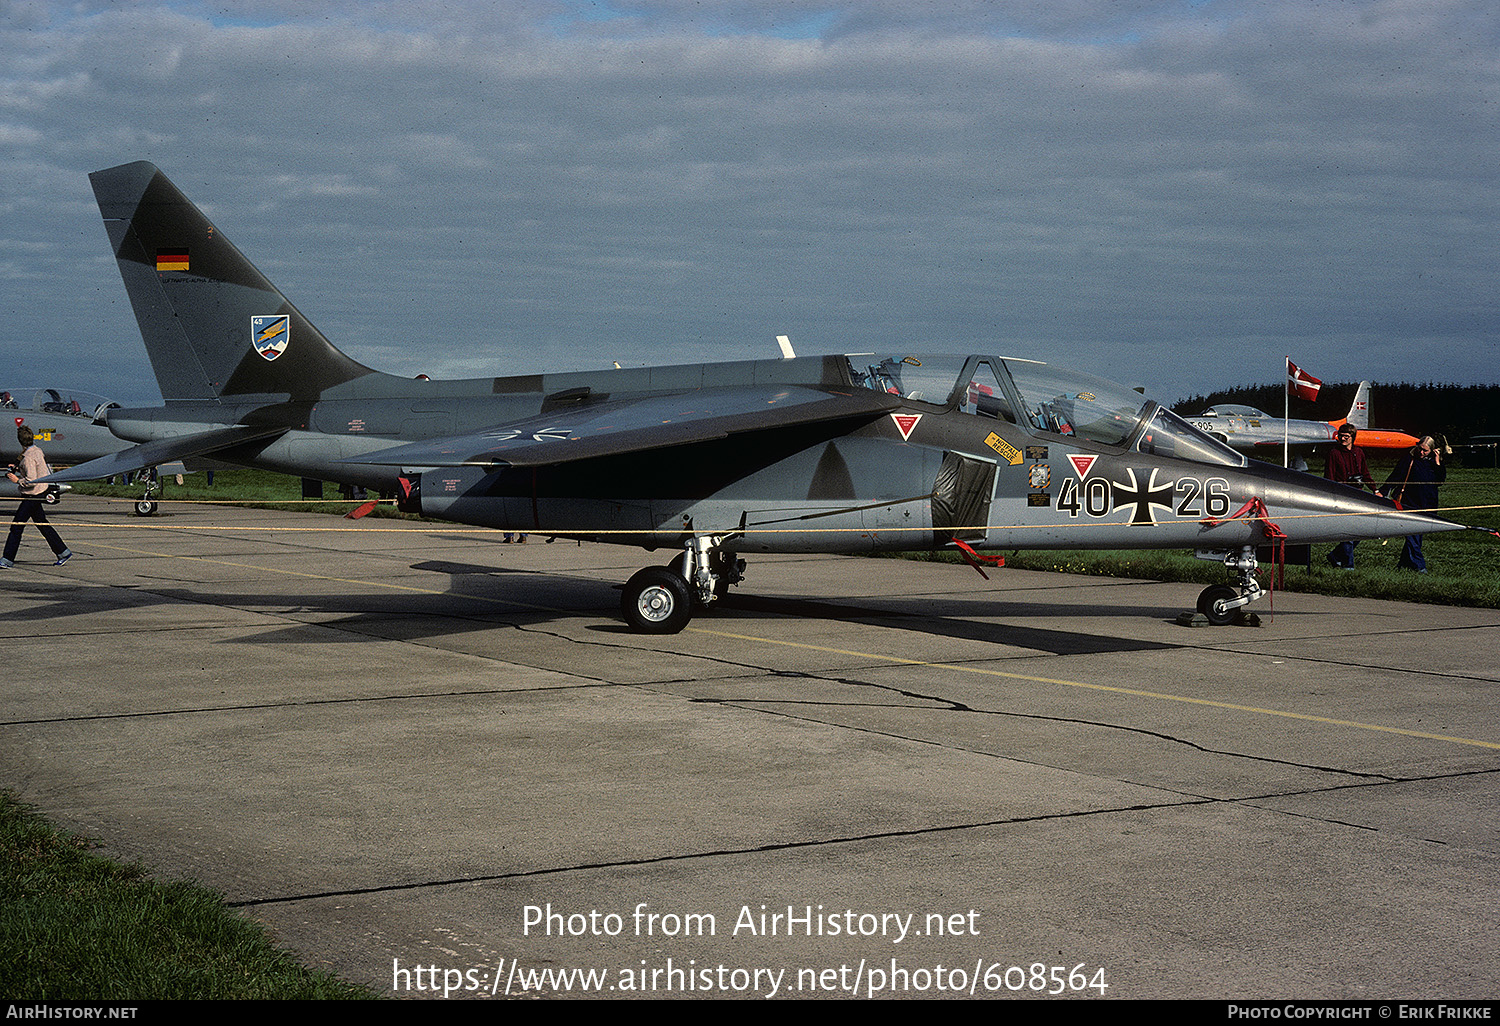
{"points": [[850, 453], [1249, 430], [70, 427]]}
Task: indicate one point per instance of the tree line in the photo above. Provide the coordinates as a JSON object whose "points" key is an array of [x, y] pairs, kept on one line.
{"points": [[1458, 411]]}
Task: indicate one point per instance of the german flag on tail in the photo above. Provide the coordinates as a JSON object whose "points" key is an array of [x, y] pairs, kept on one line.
{"points": [[172, 259]]}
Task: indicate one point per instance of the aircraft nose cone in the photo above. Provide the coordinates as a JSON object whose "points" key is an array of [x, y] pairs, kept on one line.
{"points": [[1314, 509]]}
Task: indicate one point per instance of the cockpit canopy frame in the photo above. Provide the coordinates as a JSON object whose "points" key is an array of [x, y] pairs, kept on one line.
{"points": [[1043, 400]]}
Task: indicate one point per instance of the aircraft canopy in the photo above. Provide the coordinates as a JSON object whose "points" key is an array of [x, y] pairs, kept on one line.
{"points": [[1044, 400]]}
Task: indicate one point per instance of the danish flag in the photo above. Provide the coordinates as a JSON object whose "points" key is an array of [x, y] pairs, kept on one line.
{"points": [[1300, 383]]}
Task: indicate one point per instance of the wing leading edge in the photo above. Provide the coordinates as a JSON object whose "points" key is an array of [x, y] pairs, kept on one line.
{"points": [[612, 428], [163, 450]]}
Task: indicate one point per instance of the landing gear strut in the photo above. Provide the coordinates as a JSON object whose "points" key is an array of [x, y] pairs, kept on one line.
{"points": [[1221, 603], [145, 506], [662, 599]]}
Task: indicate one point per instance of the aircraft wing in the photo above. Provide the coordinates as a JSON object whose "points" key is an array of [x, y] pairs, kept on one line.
{"points": [[1295, 443], [608, 428], [163, 450]]}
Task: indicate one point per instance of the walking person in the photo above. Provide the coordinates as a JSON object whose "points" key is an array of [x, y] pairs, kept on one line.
{"points": [[1414, 485], [32, 466]]}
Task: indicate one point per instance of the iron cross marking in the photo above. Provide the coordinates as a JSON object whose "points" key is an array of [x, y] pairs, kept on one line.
{"points": [[1143, 499]]}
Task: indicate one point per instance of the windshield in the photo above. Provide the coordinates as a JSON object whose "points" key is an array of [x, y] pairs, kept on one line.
{"points": [[984, 396], [1170, 435]]}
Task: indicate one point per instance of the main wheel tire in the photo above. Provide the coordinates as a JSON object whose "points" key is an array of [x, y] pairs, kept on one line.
{"points": [[656, 601], [52, 497], [144, 507], [1211, 604]]}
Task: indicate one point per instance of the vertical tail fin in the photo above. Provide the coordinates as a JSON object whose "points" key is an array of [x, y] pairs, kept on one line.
{"points": [[1359, 410], [213, 325]]}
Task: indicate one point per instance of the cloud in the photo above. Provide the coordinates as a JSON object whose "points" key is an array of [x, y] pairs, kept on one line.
{"points": [[1171, 194]]}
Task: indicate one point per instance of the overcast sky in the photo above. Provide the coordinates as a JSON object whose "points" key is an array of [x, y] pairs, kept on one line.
{"points": [[1172, 194]]}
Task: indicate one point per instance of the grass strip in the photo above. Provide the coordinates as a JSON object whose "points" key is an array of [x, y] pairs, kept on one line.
{"points": [[75, 925]]}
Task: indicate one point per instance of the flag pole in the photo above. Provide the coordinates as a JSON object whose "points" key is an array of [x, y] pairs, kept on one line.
{"points": [[1286, 414]]}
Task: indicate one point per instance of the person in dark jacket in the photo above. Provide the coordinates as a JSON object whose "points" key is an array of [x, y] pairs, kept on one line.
{"points": [[1346, 464], [1414, 485]]}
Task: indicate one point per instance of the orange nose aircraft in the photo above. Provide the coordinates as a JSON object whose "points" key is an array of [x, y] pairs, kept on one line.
{"points": [[1250, 430]]}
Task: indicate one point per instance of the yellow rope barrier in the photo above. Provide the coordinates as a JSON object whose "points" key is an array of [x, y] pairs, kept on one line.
{"points": [[451, 526]]}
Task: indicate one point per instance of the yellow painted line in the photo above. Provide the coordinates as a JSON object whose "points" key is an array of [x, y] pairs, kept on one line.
{"points": [[1109, 688]]}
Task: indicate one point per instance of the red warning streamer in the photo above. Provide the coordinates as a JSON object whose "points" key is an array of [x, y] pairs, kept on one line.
{"points": [[975, 558]]}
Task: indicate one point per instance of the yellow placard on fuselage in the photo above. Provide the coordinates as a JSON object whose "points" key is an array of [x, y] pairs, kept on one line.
{"points": [[1011, 454]]}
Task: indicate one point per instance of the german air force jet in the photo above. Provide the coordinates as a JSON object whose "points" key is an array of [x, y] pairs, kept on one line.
{"points": [[855, 453], [68, 426]]}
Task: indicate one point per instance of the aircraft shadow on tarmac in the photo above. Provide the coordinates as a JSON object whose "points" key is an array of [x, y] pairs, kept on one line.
{"points": [[506, 596], [1041, 639], [742, 606]]}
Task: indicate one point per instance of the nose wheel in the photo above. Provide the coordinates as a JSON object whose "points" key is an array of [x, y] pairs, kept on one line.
{"points": [[1220, 604], [1217, 603]]}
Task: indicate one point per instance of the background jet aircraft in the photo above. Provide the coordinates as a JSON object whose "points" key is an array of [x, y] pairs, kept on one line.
{"points": [[856, 453], [10, 490], [70, 427], [1247, 429]]}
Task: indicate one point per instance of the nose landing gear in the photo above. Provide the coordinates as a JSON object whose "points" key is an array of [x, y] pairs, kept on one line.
{"points": [[1221, 603]]}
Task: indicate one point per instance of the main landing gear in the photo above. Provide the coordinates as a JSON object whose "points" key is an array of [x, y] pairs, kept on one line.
{"points": [[1221, 603], [145, 506], [662, 599]]}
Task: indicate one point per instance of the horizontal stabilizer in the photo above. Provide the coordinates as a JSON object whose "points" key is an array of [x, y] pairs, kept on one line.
{"points": [[611, 428], [163, 450]]}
